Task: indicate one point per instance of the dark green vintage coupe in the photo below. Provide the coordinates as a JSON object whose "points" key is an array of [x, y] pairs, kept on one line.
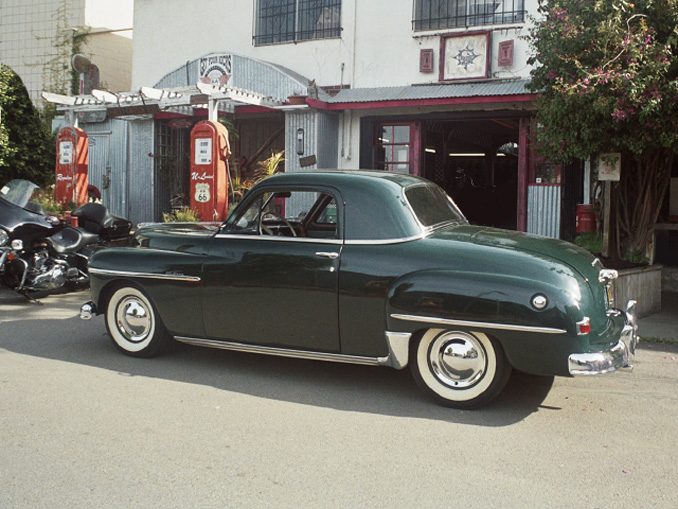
{"points": [[369, 268]]}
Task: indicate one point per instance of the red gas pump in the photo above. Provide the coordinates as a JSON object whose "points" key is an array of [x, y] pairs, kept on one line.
{"points": [[210, 151], [71, 166]]}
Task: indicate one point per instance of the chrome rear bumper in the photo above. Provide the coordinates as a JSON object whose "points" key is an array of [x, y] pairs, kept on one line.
{"points": [[618, 357]]}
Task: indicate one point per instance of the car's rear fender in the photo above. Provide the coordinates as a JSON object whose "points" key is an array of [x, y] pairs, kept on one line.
{"points": [[507, 307]]}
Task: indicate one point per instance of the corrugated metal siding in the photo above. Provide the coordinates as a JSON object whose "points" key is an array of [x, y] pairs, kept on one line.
{"points": [[264, 78], [140, 183], [327, 136], [543, 210], [321, 132], [108, 157], [308, 121], [99, 151], [118, 196]]}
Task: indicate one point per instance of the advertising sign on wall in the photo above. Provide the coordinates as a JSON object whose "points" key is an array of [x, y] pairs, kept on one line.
{"points": [[216, 69]]}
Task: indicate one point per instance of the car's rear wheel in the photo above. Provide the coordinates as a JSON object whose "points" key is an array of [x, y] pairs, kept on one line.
{"points": [[459, 369], [133, 323]]}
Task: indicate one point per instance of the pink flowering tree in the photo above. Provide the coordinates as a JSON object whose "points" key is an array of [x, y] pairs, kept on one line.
{"points": [[607, 76]]}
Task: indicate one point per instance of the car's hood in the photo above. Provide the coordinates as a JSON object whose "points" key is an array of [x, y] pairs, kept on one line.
{"points": [[174, 236], [574, 256]]}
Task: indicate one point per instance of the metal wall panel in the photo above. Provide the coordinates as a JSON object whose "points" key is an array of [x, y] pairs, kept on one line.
{"points": [[118, 175], [99, 152], [543, 210], [108, 163], [327, 140], [307, 120], [140, 181]]}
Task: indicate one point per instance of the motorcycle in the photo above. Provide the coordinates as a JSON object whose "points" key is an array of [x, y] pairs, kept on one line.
{"points": [[40, 251]]}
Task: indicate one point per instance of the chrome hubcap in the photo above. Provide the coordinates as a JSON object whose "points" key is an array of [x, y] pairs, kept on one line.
{"points": [[134, 319], [457, 359]]}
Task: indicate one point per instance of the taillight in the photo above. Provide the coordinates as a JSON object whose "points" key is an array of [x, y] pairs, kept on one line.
{"points": [[584, 327]]}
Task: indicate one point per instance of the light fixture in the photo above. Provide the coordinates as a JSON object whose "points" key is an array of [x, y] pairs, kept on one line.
{"points": [[300, 141]]}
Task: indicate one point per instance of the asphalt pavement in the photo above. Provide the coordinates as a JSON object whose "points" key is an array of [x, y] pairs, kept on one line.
{"points": [[83, 426], [662, 325]]}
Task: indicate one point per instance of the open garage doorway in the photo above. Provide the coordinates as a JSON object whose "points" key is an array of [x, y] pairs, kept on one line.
{"points": [[476, 162]]}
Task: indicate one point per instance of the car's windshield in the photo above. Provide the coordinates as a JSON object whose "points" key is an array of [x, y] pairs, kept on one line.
{"points": [[18, 192], [432, 206]]}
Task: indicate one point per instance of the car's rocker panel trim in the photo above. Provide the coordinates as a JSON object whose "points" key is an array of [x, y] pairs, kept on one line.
{"points": [[483, 325], [147, 275], [398, 344]]}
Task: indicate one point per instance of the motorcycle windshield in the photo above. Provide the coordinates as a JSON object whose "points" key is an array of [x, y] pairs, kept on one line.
{"points": [[18, 192]]}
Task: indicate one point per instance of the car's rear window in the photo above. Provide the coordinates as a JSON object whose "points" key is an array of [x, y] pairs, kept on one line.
{"points": [[432, 206]]}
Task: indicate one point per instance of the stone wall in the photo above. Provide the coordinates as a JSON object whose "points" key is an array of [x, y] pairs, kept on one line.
{"points": [[670, 279], [643, 284]]}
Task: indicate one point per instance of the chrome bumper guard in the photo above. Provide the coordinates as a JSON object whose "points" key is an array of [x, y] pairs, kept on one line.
{"points": [[87, 310], [618, 357]]}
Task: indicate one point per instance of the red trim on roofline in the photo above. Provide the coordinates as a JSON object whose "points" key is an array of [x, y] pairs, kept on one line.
{"points": [[399, 103], [246, 108]]}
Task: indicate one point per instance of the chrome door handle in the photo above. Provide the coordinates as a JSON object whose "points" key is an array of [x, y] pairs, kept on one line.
{"points": [[325, 254]]}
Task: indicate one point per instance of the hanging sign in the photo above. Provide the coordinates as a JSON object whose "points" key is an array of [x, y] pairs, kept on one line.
{"points": [[609, 167]]}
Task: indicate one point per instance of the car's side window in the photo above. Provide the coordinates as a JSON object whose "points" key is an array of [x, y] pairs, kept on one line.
{"points": [[328, 214], [293, 213], [248, 220]]}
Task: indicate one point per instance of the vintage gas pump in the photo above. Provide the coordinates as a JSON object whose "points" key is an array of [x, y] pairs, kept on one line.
{"points": [[71, 166], [210, 150]]}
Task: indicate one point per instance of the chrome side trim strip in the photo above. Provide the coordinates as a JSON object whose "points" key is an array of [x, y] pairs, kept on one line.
{"points": [[483, 325], [385, 242], [286, 352], [148, 275], [308, 240]]}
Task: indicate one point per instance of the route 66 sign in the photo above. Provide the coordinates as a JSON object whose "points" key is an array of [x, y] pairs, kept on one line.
{"points": [[202, 193]]}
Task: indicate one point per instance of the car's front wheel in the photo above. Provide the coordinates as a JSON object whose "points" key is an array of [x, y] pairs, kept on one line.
{"points": [[459, 369], [133, 323]]}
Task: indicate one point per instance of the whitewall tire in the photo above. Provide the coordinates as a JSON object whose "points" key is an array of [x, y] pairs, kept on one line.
{"points": [[133, 324], [459, 369]]}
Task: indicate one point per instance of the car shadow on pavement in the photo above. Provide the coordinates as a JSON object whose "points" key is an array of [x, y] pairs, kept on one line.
{"points": [[354, 388], [339, 386]]}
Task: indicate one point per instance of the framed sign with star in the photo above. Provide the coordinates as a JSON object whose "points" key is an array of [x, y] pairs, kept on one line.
{"points": [[465, 56]]}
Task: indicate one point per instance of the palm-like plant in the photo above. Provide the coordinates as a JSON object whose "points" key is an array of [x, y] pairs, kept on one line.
{"points": [[269, 166]]}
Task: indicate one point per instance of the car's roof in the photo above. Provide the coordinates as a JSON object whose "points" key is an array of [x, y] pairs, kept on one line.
{"points": [[374, 199]]}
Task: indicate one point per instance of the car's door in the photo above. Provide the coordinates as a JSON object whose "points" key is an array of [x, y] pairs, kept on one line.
{"points": [[272, 272]]}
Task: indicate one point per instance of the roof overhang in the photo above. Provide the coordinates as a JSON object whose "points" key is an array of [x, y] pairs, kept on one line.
{"points": [[488, 93]]}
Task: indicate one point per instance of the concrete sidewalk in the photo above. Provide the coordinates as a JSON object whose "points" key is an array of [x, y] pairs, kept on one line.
{"points": [[662, 325]]}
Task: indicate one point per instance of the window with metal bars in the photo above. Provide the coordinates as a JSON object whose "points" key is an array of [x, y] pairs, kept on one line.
{"points": [[439, 14], [280, 21], [171, 184]]}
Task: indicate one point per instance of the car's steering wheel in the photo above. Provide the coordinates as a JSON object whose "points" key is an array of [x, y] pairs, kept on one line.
{"points": [[263, 228]]}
